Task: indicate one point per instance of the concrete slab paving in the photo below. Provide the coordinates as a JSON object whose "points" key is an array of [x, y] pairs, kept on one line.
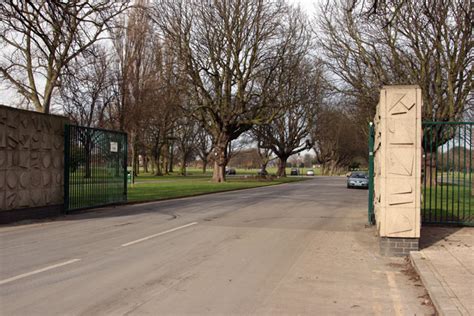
{"points": [[445, 264]]}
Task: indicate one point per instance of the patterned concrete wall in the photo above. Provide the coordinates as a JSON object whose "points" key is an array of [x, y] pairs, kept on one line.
{"points": [[398, 162], [31, 159]]}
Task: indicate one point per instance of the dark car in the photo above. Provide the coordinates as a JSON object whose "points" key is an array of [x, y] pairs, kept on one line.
{"points": [[358, 180], [230, 171], [294, 172]]}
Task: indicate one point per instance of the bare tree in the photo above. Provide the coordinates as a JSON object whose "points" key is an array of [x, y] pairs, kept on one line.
{"points": [[40, 39], [137, 64], [428, 43], [337, 140], [224, 47], [86, 92], [301, 93], [186, 135], [203, 147], [265, 155], [406, 42]]}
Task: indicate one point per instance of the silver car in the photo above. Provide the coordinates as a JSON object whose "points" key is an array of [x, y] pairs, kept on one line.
{"points": [[358, 180]]}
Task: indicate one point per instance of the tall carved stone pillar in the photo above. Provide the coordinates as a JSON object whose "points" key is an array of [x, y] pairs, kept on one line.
{"points": [[398, 169]]}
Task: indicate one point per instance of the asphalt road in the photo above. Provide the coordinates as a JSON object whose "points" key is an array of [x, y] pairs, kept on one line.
{"points": [[299, 248]]}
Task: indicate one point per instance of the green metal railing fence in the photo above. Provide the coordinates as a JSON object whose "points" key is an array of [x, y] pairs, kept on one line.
{"points": [[447, 182], [95, 167]]}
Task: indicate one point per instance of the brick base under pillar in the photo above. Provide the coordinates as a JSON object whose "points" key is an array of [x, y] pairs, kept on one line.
{"points": [[398, 247]]}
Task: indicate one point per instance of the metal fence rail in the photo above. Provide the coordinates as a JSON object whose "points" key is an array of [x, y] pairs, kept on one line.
{"points": [[447, 173], [95, 167]]}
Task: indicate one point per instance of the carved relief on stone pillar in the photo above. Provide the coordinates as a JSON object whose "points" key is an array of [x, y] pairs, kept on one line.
{"points": [[398, 161]]}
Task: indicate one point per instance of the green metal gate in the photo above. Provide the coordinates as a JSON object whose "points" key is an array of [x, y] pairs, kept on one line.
{"points": [[447, 170], [95, 167]]}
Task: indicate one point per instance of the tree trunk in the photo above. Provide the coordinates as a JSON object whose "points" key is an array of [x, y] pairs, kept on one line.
{"points": [[145, 163], [324, 169], [171, 158], [137, 164], [152, 165], [132, 146], [220, 150], [87, 156], [430, 170], [332, 167], [87, 162], [204, 166], [183, 165], [159, 172], [282, 167], [164, 159]]}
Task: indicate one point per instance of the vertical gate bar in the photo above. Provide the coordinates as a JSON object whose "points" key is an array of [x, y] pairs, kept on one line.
{"points": [[76, 163], [85, 168], [66, 169], [458, 170], [83, 185], [447, 175], [102, 174], [442, 176], [124, 166], [93, 167], [95, 178], [107, 180], [79, 171], [431, 171], [464, 174], [453, 172], [436, 173], [79, 186], [72, 186], [89, 179], [470, 171], [424, 167], [371, 174]]}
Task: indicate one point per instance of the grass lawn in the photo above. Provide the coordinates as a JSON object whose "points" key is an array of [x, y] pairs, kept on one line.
{"points": [[239, 171], [149, 187], [448, 203]]}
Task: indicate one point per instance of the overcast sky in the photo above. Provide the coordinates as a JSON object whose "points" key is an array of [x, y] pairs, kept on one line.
{"points": [[307, 5]]}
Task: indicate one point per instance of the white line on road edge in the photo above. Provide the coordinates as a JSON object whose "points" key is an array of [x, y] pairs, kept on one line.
{"points": [[159, 234], [24, 275]]}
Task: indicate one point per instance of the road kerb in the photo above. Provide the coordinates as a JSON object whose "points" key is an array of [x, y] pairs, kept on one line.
{"points": [[444, 303]]}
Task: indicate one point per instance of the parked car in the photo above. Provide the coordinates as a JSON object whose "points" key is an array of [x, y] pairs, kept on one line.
{"points": [[230, 171], [358, 180], [310, 172], [294, 172]]}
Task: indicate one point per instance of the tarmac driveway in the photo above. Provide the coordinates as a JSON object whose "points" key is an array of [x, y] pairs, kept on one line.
{"points": [[299, 248]]}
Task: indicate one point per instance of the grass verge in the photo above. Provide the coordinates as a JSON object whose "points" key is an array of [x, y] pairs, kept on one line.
{"points": [[149, 188]]}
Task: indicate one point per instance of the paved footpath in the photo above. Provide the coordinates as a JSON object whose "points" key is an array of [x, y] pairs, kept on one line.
{"points": [[445, 264], [293, 249]]}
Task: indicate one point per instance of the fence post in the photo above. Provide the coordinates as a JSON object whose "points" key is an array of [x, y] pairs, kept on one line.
{"points": [[66, 167]]}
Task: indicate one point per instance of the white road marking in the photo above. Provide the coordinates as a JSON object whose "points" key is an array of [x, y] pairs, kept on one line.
{"points": [[159, 234], [24, 275]]}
